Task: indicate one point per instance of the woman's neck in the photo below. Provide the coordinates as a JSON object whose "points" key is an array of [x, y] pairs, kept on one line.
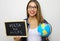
{"points": [[32, 18], [33, 22]]}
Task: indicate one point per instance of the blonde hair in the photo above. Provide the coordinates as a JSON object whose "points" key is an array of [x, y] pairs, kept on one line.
{"points": [[39, 14]]}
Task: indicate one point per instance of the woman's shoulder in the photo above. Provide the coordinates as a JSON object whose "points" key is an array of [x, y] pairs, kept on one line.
{"points": [[26, 19], [44, 21]]}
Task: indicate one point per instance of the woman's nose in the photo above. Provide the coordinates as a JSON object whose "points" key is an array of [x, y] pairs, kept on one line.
{"points": [[32, 8]]}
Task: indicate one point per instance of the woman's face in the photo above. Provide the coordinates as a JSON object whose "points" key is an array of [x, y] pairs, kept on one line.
{"points": [[32, 9]]}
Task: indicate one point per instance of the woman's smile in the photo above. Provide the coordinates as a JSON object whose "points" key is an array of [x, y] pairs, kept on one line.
{"points": [[32, 12]]}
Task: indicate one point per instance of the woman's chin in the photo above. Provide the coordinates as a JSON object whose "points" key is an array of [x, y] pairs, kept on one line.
{"points": [[32, 15]]}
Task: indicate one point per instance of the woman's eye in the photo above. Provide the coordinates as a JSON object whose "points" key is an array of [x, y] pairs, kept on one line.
{"points": [[32, 7]]}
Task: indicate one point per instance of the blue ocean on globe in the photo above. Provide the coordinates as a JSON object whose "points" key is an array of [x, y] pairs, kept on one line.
{"points": [[44, 29]]}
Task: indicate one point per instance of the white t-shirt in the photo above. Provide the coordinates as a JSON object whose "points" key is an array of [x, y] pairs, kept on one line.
{"points": [[33, 35]]}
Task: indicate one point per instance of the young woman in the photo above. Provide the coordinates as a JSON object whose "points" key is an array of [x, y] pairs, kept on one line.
{"points": [[34, 18]]}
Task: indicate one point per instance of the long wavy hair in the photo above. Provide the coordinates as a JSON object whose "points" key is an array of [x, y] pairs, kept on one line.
{"points": [[39, 14]]}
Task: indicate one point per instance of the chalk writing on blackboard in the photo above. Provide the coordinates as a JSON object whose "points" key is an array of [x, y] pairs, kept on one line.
{"points": [[17, 28]]}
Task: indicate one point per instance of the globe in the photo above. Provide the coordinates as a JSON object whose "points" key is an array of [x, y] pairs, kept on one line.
{"points": [[44, 29]]}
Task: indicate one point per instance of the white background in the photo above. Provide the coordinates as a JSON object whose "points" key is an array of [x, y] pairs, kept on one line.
{"points": [[16, 10]]}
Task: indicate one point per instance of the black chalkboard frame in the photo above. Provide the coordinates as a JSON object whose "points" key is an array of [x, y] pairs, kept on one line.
{"points": [[17, 21]]}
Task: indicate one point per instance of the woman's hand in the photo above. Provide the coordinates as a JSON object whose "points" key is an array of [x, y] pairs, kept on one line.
{"points": [[17, 38], [47, 39]]}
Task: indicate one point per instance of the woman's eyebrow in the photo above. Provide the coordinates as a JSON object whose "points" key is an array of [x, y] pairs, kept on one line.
{"points": [[33, 6]]}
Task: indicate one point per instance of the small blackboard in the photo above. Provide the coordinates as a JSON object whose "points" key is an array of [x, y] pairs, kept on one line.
{"points": [[16, 28]]}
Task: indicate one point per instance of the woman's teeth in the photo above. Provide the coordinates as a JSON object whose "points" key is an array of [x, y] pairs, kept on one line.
{"points": [[32, 12]]}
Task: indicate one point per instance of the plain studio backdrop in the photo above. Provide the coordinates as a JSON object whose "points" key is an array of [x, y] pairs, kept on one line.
{"points": [[16, 10]]}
